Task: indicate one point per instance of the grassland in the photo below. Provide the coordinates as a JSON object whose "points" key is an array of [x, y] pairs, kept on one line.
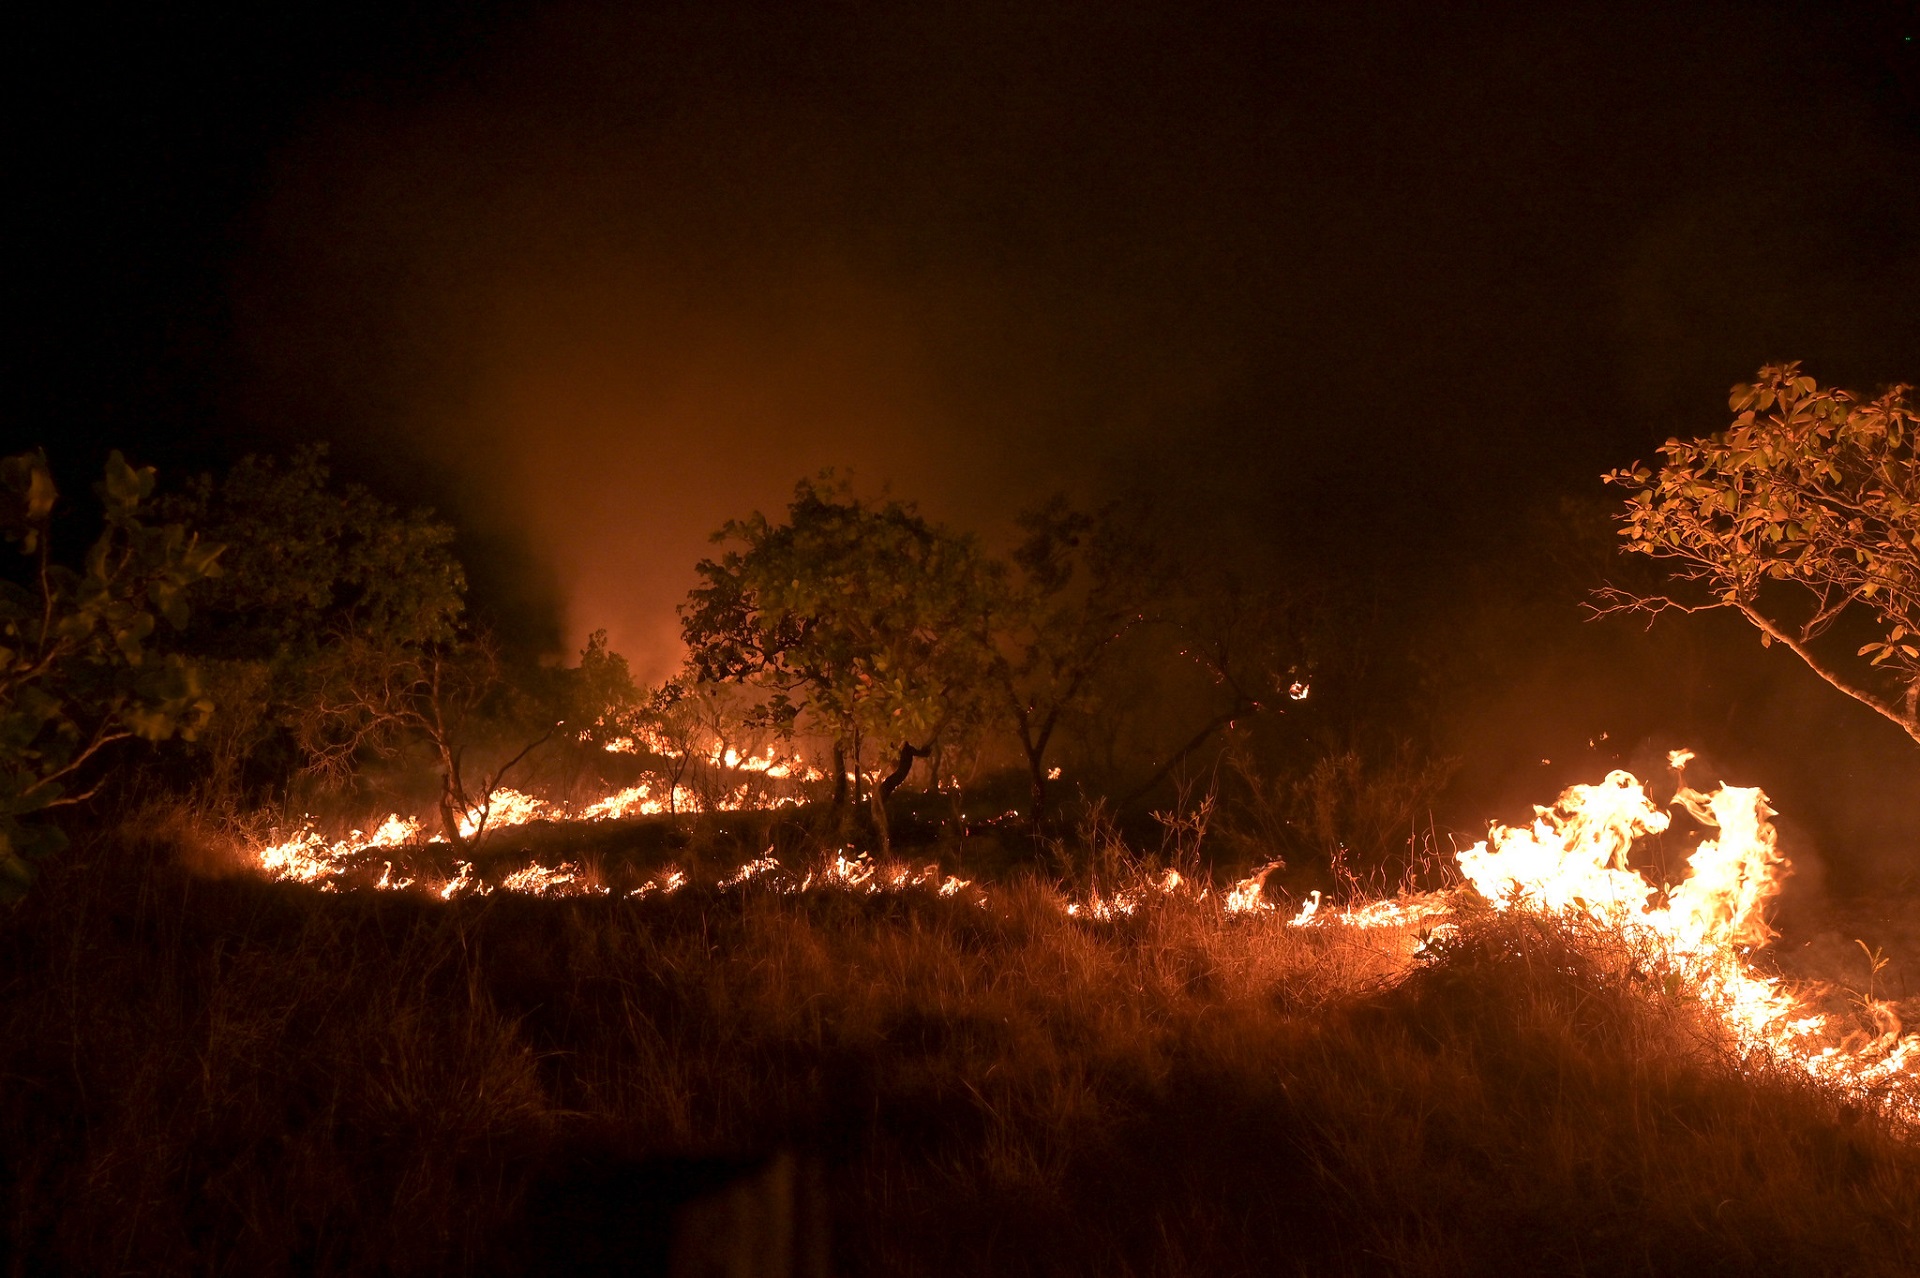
{"points": [[205, 1074]]}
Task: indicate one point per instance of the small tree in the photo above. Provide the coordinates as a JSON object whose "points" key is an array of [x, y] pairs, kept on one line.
{"points": [[379, 700], [77, 672], [322, 582], [1803, 516], [1080, 583], [598, 701], [862, 621], [1244, 629]]}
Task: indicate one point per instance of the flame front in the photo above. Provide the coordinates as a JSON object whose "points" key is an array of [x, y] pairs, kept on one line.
{"points": [[1575, 860]]}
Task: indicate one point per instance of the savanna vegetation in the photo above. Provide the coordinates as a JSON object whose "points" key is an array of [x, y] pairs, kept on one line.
{"points": [[210, 1072]]}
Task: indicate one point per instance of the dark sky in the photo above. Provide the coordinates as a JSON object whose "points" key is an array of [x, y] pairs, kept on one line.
{"points": [[593, 278]]}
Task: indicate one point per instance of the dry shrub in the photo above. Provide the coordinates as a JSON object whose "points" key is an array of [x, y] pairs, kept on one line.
{"points": [[1359, 812], [238, 1077]]}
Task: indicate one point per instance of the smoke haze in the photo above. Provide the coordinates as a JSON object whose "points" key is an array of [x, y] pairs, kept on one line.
{"points": [[1372, 291], [617, 277]]}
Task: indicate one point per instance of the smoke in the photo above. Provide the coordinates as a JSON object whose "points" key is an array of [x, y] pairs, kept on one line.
{"points": [[618, 275], [602, 302]]}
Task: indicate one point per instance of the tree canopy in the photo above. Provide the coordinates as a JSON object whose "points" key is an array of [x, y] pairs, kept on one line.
{"points": [[1803, 516], [858, 619]]}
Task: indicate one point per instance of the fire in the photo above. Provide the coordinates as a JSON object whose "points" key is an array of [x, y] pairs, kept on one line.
{"points": [[1249, 894], [565, 879], [1127, 900], [1574, 859]]}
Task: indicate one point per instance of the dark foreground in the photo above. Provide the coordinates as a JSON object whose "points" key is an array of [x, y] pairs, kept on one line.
{"points": [[224, 1076]]}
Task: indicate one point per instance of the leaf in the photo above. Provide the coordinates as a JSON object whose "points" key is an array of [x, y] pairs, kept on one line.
{"points": [[41, 493]]}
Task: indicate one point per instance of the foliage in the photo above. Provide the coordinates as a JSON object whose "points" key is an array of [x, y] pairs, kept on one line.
{"points": [[1804, 517], [329, 594], [860, 620], [340, 632], [598, 698], [309, 559], [1080, 582], [78, 672], [600, 710]]}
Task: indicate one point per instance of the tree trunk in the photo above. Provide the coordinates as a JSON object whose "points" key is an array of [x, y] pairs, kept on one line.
{"points": [[903, 767], [453, 798], [877, 798], [1037, 782]]}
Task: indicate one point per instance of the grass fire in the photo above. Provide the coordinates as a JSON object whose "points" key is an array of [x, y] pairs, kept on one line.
{"points": [[725, 954], [1138, 641]]}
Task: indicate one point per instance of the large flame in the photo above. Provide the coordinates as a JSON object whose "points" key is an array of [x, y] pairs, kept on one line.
{"points": [[1574, 860]]}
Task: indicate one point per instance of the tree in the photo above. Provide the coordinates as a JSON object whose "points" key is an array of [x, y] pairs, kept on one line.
{"points": [[78, 674], [341, 634], [598, 701], [860, 620], [1244, 630], [1803, 517], [324, 583], [1080, 582]]}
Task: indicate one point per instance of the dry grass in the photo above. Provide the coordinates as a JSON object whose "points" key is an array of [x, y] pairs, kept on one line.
{"points": [[225, 1076]]}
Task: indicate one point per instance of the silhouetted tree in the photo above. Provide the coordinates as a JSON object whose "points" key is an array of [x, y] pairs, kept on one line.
{"points": [[1079, 583], [860, 620], [1246, 632], [325, 584]]}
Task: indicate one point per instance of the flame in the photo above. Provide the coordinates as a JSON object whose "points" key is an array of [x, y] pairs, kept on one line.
{"points": [[666, 883], [1574, 859], [462, 883], [565, 879], [1249, 894]]}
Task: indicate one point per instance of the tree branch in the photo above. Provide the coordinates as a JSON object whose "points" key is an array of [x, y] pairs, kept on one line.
{"points": [[1907, 723]]}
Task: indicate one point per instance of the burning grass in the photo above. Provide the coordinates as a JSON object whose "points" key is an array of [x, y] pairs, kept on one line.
{"points": [[241, 1076]]}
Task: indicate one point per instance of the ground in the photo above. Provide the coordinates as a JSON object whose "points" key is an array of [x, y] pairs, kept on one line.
{"points": [[218, 1074]]}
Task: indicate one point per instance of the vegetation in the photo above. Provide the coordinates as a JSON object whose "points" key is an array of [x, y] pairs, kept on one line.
{"points": [[863, 622], [244, 1077], [207, 1071], [78, 674], [1804, 518]]}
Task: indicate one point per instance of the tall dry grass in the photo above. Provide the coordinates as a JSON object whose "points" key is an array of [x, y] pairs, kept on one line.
{"points": [[225, 1076]]}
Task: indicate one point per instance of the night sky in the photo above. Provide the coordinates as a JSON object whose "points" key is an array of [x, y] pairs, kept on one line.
{"points": [[1373, 282]]}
